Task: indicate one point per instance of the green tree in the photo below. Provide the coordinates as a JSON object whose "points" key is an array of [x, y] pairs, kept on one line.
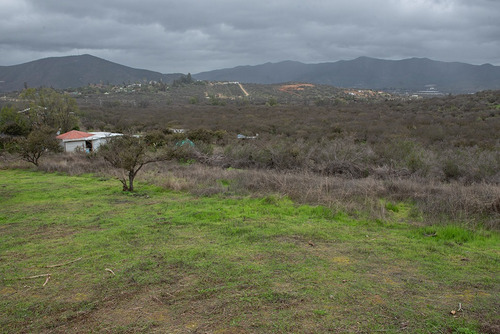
{"points": [[215, 101], [183, 80], [13, 123], [38, 142], [50, 108], [272, 102], [129, 154]]}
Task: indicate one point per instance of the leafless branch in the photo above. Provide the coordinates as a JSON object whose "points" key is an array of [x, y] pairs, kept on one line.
{"points": [[111, 271], [63, 264], [35, 276], [46, 280]]}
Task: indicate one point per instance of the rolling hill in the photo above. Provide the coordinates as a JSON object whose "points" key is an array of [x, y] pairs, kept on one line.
{"points": [[412, 74], [73, 71]]}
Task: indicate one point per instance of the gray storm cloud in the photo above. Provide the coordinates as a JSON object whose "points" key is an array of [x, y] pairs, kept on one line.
{"points": [[194, 35]]}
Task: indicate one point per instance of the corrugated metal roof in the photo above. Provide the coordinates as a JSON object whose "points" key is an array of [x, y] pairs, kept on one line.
{"points": [[74, 134], [99, 135]]}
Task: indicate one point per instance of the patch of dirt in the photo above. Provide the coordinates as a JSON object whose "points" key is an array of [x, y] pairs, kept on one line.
{"points": [[145, 306], [294, 239], [491, 328], [162, 308], [292, 89], [133, 311], [53, 231]]}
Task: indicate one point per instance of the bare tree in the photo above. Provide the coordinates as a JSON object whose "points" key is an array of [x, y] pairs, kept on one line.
{"points": [[129, 154]]}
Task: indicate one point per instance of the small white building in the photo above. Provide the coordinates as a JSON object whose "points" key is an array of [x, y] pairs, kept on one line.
{"points": [[85, 141]]}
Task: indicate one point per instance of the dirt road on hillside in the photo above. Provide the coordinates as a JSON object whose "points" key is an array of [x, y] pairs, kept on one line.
{"points": [[243, 89]]}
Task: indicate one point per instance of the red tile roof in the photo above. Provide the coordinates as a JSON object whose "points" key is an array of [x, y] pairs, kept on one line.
{"points": [[73, 134]]}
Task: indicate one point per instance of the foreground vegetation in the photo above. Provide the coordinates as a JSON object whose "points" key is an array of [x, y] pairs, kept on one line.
{"points": [[345, 149], [350, 211], [159, 260]]}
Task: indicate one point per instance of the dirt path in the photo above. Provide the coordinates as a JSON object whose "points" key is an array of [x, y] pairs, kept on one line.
{"points": [[243, 89]]}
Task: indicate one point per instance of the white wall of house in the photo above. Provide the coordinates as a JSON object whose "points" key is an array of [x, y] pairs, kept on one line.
{"points": [[72, 146], [99, 138], [98, 142]]}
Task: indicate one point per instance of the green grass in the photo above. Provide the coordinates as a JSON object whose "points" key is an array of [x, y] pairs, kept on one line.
{"points": [[229, 265]]}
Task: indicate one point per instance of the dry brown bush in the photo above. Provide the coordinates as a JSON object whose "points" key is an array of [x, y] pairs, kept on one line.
{"points": [[74, 164], [474, 204]]}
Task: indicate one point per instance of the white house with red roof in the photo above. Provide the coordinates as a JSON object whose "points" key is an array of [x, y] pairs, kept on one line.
{"points": [[85, 141]]}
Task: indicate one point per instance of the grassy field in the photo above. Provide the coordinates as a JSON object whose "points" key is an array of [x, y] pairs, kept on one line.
{"points": [[170, 262]]}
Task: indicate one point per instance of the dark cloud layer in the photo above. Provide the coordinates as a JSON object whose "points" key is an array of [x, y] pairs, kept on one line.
{"points": [[198, 35]]}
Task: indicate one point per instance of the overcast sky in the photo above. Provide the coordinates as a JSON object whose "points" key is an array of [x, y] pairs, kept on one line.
{"points": [[199, 35]]}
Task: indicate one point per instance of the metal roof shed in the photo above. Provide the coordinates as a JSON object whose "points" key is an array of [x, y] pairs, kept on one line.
{"points": [[74, 140]]}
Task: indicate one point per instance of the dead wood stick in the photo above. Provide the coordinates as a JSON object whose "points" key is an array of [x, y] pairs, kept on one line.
{"points": [[63, 264], [111, 271], [46, 280], [36, 276]]}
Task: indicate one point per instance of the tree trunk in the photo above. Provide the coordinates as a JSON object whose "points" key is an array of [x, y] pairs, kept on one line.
{"points": [[131, 176], [124, 183]]}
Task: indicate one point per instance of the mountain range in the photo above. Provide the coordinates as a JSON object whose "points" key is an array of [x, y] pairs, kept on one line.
{"points": [[72, 72], [413, 74]]}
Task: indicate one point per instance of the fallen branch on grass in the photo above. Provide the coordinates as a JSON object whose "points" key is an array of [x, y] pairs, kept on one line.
{"points": [[47, 277], [111, 271], [36, 276], [46, 280], [63, 264]]}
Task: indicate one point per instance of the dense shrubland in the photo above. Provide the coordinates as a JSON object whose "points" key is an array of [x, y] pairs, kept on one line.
{"points": [[443, 139]]}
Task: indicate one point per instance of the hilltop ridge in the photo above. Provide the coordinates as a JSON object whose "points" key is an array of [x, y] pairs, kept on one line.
{"points": [[73, 71], [408, 75], [411, 74]]}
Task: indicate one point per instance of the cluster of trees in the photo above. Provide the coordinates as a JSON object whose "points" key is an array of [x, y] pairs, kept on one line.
{"points": [[31, 131], [42, 107], [183, 80], [13, 122]]}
